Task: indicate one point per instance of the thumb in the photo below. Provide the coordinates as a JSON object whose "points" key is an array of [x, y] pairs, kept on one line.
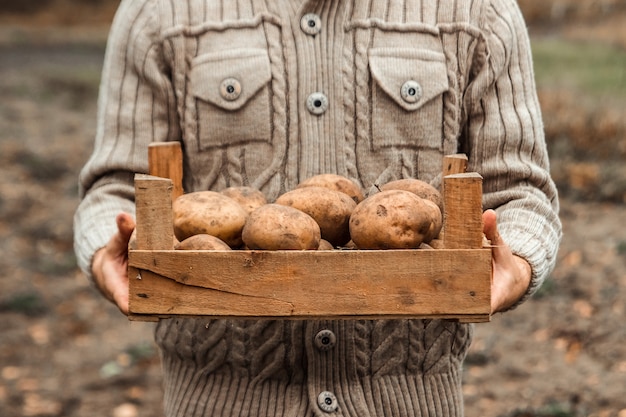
{"points": [[490, 227], [499, 249], [125, 227]]}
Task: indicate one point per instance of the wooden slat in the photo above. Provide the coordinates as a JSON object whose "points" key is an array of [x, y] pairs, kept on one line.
{"points": [[454, 164], [463, 211], [155, 228], [301, 284], [166, 160]]}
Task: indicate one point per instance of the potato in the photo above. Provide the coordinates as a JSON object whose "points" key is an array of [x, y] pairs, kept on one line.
{"points": [[331, 210], [202, 242], [325, 245], [335, 182], [349, 245], [437, 220], [277, 227], [393, 219], [436, 244], [417, 187], [209, 212], [250, 198]]}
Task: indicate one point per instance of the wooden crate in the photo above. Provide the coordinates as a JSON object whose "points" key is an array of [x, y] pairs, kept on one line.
{"points": [[453, 282]]}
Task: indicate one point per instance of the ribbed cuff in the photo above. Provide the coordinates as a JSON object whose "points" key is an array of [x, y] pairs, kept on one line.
{"points": [[531, 248]]}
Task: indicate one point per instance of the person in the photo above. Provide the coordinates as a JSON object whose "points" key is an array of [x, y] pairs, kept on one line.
{"points": [[268, 93]]}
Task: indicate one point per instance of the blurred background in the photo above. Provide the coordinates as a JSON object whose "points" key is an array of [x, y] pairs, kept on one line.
{"points": [[64, 351]]}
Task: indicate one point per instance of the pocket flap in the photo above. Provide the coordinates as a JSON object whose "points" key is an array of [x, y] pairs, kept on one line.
{"points": [[411, 77], [229, 79]]}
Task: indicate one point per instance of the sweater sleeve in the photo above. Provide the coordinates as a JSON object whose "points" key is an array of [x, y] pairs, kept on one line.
{"points": [[135, 107], [506, 144]]}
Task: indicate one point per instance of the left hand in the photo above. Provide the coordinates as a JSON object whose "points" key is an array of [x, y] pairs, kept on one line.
{"points": [[110, 264], [511, 274]]}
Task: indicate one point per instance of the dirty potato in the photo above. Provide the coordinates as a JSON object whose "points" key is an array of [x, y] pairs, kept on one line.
{"points": [[436, 217], [250, 198], [331, 210], [202, 242], [277, 227], [393, 219], [335, 182], [209, 212], [417, 187], [325, 245]]}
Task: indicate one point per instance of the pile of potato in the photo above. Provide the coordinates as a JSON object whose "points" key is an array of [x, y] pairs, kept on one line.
{"points": [[322, 213]]}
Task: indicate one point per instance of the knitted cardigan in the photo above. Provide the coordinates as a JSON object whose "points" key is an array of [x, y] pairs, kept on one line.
{"points": [[266, 93]]}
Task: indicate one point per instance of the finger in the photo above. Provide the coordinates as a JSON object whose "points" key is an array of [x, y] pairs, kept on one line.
{"points": [[125, 225], [118, 245], [113, 282], [490, 227], [499, 248]]}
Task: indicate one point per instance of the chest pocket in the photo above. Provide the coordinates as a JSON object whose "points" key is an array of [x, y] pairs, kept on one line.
{"points": [[407, 97], [232, 98]]}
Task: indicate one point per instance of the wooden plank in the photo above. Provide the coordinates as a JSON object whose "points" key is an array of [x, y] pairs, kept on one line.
{"points": [[463, 211], [154, 216], [166, 160], [302, 284], [454, 164]]}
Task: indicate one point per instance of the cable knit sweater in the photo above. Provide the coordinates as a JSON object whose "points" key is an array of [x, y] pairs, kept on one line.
{"points": [[266, 93]]}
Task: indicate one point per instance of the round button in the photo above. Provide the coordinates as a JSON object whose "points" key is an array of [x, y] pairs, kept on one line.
{"points": [[311, 24], [411, 91], [325, 340], [230, 89], [327, 401], [317, 103]]}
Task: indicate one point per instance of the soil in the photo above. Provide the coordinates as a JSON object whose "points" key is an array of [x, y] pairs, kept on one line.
{"points": [[64, 351]]}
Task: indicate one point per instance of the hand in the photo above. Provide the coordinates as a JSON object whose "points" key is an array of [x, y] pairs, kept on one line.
{"points": [[511, 274], [110, 264]]}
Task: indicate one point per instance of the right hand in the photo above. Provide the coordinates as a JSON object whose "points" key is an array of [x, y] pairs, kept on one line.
{"points": [[511, 274], [110, 264]]}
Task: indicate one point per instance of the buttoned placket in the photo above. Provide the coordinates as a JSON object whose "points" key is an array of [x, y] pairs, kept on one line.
{"points": [[324, 341], [317, 102], [333, 384]]}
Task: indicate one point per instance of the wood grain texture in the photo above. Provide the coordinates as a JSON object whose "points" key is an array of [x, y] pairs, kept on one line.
{"points": [[154, 218], [166, 160], [463, 214], [454, 164], [302, 284]]}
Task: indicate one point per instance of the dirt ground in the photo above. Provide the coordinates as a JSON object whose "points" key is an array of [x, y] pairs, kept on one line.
{"points": [[64, 351]]}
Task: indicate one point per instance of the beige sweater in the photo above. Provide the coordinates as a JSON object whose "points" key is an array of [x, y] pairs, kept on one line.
{"points": [[268, 92]]}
